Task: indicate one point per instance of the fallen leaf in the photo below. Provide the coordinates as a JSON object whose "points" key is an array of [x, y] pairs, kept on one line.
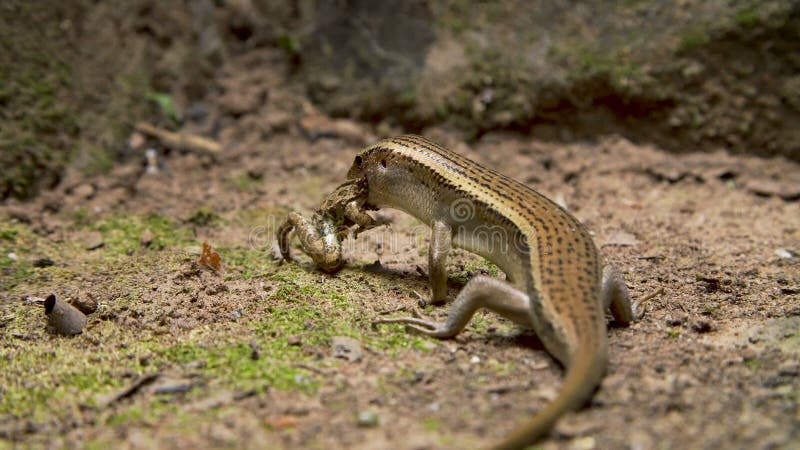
{"points": [[209, 258], [282, 422]]}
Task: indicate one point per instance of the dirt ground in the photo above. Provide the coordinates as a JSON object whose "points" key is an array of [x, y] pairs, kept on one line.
{"points": [[177, 355]]}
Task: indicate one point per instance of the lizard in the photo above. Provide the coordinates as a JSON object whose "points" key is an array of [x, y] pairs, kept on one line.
{"points": [[554, 281]]}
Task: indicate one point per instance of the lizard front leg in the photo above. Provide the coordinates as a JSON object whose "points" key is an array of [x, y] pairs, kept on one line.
{"points": [[441, 243], [356, 214]]}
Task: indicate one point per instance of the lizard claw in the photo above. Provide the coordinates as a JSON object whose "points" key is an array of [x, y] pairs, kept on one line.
{"points": [[421, 326], [639, 309]]}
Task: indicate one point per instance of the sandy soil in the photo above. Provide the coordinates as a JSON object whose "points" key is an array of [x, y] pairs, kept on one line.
{"points": [[244, 357]]}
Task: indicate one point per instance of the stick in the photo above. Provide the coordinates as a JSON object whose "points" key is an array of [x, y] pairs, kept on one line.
{"points": [[185, 141]]}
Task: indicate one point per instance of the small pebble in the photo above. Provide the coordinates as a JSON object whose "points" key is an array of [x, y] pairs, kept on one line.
{"points": [[368, 419], [85, 302], [347, 348], [475, 360], [152, 161], [146, 238], [12, 256]]}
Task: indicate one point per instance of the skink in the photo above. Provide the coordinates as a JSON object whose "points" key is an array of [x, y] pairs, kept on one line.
{"points": [[554, 281]]}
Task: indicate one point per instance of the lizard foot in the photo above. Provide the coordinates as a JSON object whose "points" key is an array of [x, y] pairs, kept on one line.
{"points": [[422, 326]]}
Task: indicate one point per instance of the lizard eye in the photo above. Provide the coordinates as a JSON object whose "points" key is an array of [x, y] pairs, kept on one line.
{"points": [[358, 161], [383, 163]]}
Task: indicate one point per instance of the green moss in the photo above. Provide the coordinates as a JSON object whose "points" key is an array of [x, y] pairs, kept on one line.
{"points": [[276, 367], [130, 414], [246, 263], [39, 381], [96, 159], [35, 83], [288, 43], [81, 217], [502, 368], [748, 17], [244, 181], [753, 364], [18, 240], [693, 40], [122, 233], [673, 333], [394, 338], [431, 424]]}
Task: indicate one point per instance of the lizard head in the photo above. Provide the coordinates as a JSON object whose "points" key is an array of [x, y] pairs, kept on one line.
{"points": [[372, 168]]}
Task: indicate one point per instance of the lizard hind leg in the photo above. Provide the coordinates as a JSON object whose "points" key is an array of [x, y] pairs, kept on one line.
{"points": [[480, 292], [615, 296]]}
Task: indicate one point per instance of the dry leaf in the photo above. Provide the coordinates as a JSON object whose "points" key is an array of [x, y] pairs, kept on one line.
{"points": [[282, 422], [209, 258]]}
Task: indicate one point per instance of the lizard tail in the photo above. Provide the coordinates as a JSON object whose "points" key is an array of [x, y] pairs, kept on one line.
{"points": [[583, 376]]}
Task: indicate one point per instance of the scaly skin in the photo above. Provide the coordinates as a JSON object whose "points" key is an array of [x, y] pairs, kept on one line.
{"points": [[554, 280]]}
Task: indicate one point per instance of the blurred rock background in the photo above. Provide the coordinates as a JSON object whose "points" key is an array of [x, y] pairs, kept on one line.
{"points": [[686, 75]]}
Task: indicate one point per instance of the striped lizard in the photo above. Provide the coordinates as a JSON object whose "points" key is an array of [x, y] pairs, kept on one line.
{"points": [[554, 282]]}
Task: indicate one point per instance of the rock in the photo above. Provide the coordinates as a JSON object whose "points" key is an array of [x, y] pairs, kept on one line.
{"points": [[278, 120], [368, 419], [136, 140], [83, 191], [769, 188], [347, 348], [381, 48], [93, 241], [85, 302], [146, 238]]}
